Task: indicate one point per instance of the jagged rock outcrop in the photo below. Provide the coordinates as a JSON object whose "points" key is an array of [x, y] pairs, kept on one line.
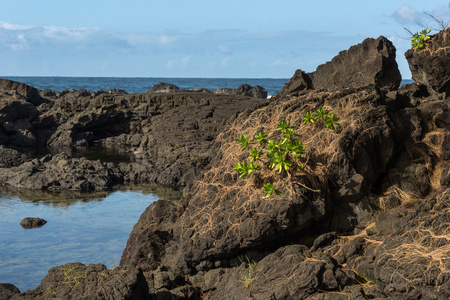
{"points": [[17, 114], [371, 62], [173, 132], [429, 66], [299, 82], [14, 88]]}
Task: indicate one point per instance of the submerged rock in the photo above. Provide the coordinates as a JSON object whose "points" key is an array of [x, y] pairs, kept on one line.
{"points": [[29, 223]]}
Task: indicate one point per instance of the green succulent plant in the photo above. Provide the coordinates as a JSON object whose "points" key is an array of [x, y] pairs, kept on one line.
{"points": [[283, 154], [418, 40]]}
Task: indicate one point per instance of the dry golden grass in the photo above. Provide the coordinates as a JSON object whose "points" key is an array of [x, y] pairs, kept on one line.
{"points": [[234, 201]]}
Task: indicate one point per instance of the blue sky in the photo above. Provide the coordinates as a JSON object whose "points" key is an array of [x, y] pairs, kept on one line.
{"points": [[197, 38]]}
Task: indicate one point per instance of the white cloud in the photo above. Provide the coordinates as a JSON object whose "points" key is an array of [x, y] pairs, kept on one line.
{"points": [[21, 43], [9, 26], [224, 49], [279, 62], [405, 14], [183, 62]]}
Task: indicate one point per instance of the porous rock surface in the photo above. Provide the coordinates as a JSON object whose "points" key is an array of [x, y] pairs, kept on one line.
{"points": [[429, 66], [77, 281], [371, 62], [170, 133], [8, 290], [369, 218]]}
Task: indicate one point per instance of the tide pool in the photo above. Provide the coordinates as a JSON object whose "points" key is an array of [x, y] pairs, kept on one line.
{"points": [[86, 228]]}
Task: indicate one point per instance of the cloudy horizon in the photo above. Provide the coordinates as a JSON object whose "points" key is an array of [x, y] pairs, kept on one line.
{"points": [[271, 46]]}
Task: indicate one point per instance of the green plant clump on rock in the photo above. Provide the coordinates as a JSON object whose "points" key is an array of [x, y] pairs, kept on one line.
{"points": [[418, 40], [281, 155]]}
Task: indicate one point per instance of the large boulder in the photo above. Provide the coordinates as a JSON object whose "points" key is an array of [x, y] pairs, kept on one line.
{"points": [[371, 62], [255, 91], [431, 65], [244, 90]]}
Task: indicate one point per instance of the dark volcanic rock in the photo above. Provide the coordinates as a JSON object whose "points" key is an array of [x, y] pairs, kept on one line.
{"points": [[147, 252], [8, 290], [11, 158], [299, 82], [61, 172], [171, 133], [382, 174], [11, 87], [255, 91], [221, 216], [199, 90], [431, 65], [162, 87], [29, 223], [412, 263], [77, 281], [292, 272], [371, 62], [244, 90]]}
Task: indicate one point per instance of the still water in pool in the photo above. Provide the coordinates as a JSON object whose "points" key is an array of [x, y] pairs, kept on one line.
{"points": [[91, 228]]}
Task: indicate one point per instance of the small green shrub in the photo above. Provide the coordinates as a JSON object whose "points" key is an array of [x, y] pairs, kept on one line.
{"points": [[283, 154], [418, 40]]}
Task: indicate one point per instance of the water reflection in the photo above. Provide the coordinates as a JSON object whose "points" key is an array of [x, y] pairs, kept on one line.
{"points": [[67, 198], [86, 228]]}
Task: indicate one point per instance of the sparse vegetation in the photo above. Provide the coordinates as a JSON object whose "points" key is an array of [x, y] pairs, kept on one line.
{"points": [[418, 40], [248, 275], [284, 154]]}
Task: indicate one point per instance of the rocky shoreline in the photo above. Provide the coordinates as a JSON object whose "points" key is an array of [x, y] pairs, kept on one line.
{"points": [[370, 218]]}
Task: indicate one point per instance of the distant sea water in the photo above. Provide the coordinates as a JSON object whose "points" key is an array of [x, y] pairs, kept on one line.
{"points": [[143, 85]]}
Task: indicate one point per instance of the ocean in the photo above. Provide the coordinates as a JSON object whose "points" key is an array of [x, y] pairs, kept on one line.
{"points": [[142, 85]]}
